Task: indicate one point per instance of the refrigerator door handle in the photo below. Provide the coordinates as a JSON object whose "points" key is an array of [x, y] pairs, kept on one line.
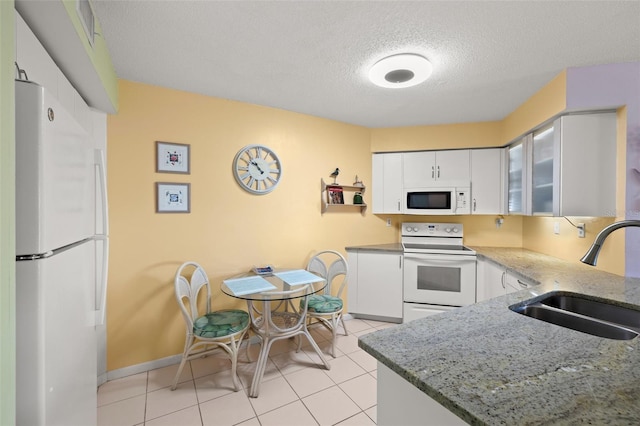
{"points": [[101, 305], [102, 173]]}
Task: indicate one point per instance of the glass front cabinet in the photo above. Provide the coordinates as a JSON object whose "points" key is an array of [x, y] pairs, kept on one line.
{"points": [[566, 167], [517, 178], [542, 172]]}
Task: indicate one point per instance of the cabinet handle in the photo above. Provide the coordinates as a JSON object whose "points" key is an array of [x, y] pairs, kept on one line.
{"points": [[474, 204], [502, 279], [398, 205], [438, 172], [433, 172], [523, 285], [400, 262]]}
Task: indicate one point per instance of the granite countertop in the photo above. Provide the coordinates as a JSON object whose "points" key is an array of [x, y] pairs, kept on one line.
{"points": [[490, 365], [394, 247]]}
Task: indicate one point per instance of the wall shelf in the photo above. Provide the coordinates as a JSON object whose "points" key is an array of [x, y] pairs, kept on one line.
{"points": [[348, 192]]}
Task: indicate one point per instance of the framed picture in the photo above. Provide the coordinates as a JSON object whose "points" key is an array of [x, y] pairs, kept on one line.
{"points": [[172, 158], [335, 195], [173, 197]]}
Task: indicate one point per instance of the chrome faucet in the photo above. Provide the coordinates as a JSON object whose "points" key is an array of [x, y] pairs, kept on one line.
{"points": [[591, 256]]}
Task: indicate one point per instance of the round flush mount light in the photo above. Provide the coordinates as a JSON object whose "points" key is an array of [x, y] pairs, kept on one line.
{"points": [[399, 71]]}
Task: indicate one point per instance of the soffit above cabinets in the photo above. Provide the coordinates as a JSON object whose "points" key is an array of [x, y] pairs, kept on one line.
{"points": [[51, 23]]}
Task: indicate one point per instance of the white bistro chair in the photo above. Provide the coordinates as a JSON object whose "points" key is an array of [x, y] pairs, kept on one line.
{"points": [[327, 307], [207, 331]]}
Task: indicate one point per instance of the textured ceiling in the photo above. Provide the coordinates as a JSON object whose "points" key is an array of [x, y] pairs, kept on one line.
{"points": [[313, 57]]}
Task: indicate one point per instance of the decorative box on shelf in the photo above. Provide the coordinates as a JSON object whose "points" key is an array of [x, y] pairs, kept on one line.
{"points": [[334, 197]]}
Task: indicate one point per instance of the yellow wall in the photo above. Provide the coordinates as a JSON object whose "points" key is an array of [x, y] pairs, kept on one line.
{"points": [[538, 232], [229, 230], [544, 104]]}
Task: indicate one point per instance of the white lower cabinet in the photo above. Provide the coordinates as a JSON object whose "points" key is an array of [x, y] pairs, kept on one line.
{"points": [[516, 283], [401, 403], [490, 280], [375, 284], [494, 281]]}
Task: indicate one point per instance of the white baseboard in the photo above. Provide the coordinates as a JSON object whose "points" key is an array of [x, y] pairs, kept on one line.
{"points": [[160, 363], [145, 366]]}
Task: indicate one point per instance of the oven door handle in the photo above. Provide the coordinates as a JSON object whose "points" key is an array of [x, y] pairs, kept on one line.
{"points": [[438, 259]]}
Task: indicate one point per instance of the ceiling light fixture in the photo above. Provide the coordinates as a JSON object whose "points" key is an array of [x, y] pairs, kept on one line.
{"points": [[400, 71]]}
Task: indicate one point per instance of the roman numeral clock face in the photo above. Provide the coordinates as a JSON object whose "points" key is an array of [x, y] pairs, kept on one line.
{"points": [[257, 169]]}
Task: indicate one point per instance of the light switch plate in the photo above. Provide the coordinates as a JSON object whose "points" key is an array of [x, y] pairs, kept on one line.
{"points": [[556, 227]]}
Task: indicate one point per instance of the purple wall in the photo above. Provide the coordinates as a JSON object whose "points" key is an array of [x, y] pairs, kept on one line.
{"points": [[615, 85]]}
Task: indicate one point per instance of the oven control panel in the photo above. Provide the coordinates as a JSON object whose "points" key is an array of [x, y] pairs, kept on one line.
{"points": [[421, 229]]}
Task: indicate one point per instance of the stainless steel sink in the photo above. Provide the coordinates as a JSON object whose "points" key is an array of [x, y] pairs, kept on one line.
{"points": [[596, 317]]}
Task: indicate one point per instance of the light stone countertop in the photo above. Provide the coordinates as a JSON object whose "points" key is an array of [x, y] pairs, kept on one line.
{"points": [[490, 365], [392, 247]]}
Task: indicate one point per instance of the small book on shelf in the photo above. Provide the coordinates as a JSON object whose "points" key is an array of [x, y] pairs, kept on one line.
{"points": [[335, 195]]}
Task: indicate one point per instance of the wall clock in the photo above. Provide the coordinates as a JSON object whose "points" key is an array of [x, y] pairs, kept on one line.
{"points": [[257, 169]]}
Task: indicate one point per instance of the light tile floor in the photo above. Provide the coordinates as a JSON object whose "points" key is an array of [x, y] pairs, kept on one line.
{"points": [[296, 389]]}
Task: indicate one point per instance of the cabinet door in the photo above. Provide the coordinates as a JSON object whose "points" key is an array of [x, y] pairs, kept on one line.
{"points": [[542, 170], [517, 178], [387, 183], [515, 283], [453, 167], [352, 282], [380, 284], [586, 182], [492, 282], [419, 168], [487, 172]]}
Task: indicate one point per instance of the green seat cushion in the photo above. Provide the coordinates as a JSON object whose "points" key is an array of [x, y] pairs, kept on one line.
{"points": [[324, 304], [220, 324]]}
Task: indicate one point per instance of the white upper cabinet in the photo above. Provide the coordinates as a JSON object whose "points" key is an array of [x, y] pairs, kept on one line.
{"points": [[387, 183], [487, 181], [585, 175], [517, 185], [436, 168], [542, 162], [566, 168]]}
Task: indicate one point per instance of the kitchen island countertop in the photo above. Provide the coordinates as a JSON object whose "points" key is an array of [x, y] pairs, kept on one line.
{"points": [[490, 365]]}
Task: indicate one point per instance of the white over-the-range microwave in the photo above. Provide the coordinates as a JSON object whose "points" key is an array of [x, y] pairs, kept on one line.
{"points": [[437, 200]]}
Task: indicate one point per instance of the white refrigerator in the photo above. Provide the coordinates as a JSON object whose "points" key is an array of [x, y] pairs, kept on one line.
{"points": [[61, 262]]}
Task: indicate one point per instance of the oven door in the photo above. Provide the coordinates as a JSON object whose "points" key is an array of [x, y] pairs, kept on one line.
{"points": [[440, 279]]}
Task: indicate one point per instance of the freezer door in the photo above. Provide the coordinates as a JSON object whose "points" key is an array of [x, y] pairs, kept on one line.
{"points": [[54, 174], [55, 339]]}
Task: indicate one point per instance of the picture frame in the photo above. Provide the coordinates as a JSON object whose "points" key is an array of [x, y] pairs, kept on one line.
{"points": [[173, 197], [173, 157], [335, 195]]}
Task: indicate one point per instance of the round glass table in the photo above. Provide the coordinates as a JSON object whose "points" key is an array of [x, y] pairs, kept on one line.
{"points": [[273, 302]]}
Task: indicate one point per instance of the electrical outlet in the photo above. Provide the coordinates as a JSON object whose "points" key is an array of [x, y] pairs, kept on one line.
{"points": [[388, 222], [556, 228], [581, 230]]}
